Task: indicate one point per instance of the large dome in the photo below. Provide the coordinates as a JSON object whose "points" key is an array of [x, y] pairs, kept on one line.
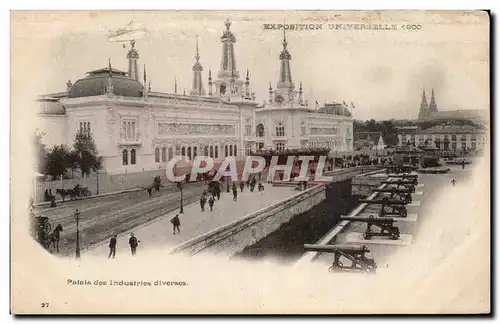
{"points": [[96, 83]]}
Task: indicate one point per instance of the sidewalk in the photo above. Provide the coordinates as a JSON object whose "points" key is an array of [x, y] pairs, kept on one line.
{"points": [[194, 222]]}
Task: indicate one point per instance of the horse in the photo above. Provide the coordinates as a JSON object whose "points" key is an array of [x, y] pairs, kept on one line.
{"points": [[53, 238], [63, 193]]}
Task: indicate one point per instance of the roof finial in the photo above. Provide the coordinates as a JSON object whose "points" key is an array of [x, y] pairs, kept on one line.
{"points": [[284, 37], [145, 77], [270, 87], [197, 51], [247, 75], [109, 66], [209, 74], [228, 24]]}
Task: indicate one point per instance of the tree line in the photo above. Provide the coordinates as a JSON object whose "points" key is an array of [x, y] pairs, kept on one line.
{"points": [[60, 159], [386, 127]]}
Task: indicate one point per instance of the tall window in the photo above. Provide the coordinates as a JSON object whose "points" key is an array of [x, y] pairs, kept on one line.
{"points": [[225, 151], [124, 157], [195, 152], [157, 155], [260, 130], [189, 152], [164, 154], [303, 129], [183, 151], [211, 151], [280, 146], [235, 151], [248, 130], [170, 153], [248, 149], [132, 156], [205, 150], [85, 127], [128, 129], [453, 137], [230, 150], [280, 130], [216, 151]]}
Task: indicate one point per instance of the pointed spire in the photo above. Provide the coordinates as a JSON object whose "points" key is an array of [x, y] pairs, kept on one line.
{"points": [[247, 76], [197, 50], [149, 86], [109, 66], [145, 77], [284, 39], [300, 87], [209, 75], [432, 104], [270, 87]]}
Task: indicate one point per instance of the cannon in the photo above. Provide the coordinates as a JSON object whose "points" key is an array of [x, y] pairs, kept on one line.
{"points": [[398, 207], [403, 193], [410, 178], [400, 183], [354, 253], [401, 168], [385, 224]]}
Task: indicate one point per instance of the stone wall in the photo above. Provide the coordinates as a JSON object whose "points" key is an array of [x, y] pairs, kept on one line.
{"points": [[363, 185]]}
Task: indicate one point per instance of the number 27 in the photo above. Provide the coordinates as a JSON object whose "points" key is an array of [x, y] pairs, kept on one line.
{"points": [[44, 305]]}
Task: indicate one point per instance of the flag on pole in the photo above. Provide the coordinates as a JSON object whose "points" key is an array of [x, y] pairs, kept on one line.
{"points": [[317, 104], [175, 86]]}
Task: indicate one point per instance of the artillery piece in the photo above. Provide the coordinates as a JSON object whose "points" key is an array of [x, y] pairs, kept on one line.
{"points": [[353, 253], [386, 226], [403, 193], [401, 168], [411, 178], [398, 207], [401, 183]]}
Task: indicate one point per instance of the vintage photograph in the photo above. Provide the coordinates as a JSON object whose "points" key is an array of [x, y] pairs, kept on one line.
{"points": [[250, 162]]}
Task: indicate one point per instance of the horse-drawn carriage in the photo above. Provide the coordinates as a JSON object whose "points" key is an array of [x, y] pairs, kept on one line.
{"points": [[75, 193]]}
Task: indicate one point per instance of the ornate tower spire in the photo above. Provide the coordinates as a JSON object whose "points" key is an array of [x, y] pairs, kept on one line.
{"points": [[228, 61], [110, 86], [132, 57], [197, 89], [209, 82], [432, 104], [285, 80], [301, 93], [424, 108], [247, 85], [270, 92]]}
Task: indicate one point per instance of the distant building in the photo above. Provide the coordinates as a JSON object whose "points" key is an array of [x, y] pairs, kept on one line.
{"points": [[430, 112], [447, 137], [368, 141]]}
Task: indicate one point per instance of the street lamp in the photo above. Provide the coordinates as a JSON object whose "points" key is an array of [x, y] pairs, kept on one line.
{"points": [[77, 217], [180, 185]]}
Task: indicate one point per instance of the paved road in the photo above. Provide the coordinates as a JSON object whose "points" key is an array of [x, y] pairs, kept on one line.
{"points": [[158, 235], [114, 214]]}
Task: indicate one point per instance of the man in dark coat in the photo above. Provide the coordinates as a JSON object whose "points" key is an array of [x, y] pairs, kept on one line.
{"points": [[133, 243], [211, 202], [176, 222], [112, 247]]}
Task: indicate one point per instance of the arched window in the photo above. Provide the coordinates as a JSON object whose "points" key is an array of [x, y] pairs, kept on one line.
{"points": [[157, 155], [183, 151], [235, 150], [230, 150], [211, 151], [164, 154], [132, 156], [216, 151], [280, 130], [260, 130], [189, 152], [195, 152], [170, 153], [205, 151], [225, 151], [124, 157]]}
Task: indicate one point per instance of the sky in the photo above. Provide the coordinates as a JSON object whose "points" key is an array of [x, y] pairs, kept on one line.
{"points": [[381, 72]]}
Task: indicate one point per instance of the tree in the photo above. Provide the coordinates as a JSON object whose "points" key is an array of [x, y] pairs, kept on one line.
{"points": [[85, 153], [40, 152], [56, 161]]}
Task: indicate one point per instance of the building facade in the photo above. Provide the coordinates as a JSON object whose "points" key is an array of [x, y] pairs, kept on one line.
{"points": [[448, 137], [137, 129]]}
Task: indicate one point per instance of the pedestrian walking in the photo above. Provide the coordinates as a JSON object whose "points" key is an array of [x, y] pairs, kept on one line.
{"points": [[242, 186], [235, 192], [203, 201], [112, 247], [176, 223], [133, 242], [211, 202], [149, 191]]}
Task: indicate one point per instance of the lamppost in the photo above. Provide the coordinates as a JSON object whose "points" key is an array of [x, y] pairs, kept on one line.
{"points": [[180, 185], [77, 217]]}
